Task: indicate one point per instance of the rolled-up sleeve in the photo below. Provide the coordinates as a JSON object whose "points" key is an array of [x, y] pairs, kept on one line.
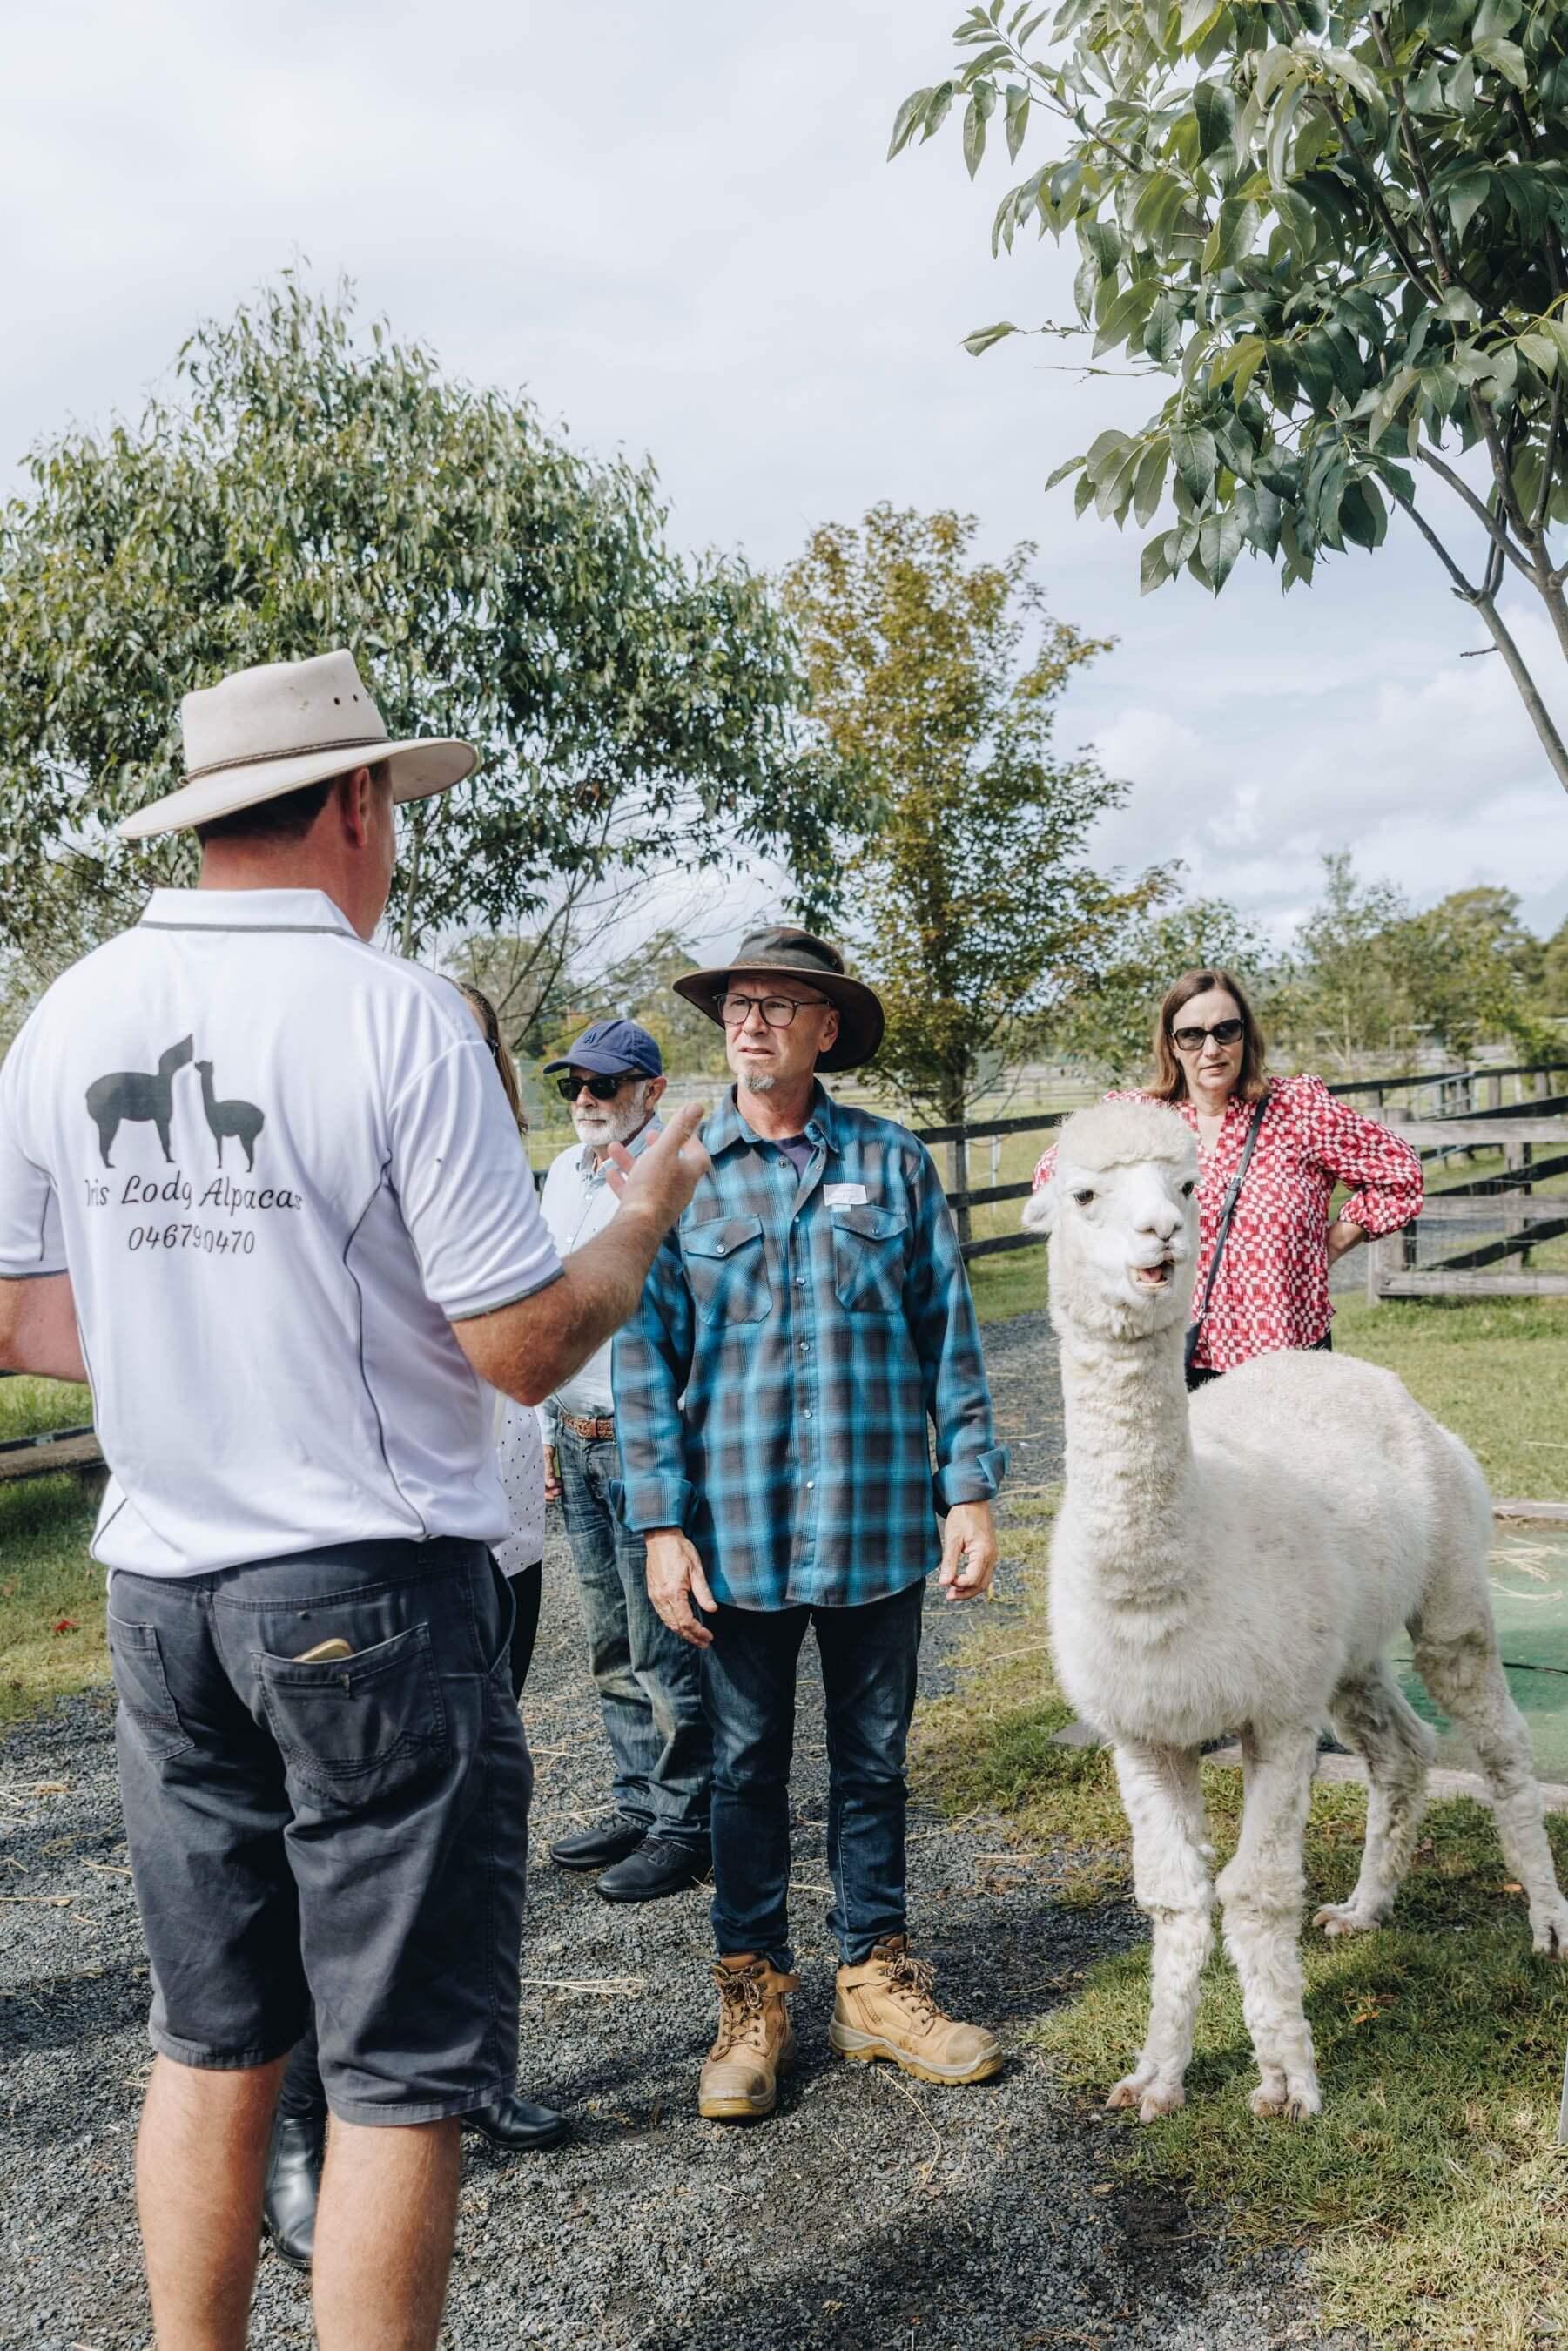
{"points": [[649, 1368], [970, 1464], [1382, 1170]]}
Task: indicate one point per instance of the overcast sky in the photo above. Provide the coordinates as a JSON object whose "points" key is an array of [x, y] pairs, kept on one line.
{"points": [[672, 224]]}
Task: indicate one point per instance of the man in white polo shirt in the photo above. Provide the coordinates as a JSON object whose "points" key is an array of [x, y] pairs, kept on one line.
{"points": [[260, 1182]]}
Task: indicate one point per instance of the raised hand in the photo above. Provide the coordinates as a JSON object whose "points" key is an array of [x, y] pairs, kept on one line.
{"points": [[659, 1181]]}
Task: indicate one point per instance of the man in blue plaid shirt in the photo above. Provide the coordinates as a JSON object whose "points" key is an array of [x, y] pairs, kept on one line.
{"points": [[801, 1329]]}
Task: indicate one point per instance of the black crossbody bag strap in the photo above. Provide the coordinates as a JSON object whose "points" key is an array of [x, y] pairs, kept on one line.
{"points": [[1222, 1230]]}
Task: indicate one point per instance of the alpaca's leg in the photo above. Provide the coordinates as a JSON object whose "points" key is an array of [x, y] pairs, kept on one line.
{"points": [[1373, 1717], [1464, 1673], [1261, 1890], [1171, 1856]]}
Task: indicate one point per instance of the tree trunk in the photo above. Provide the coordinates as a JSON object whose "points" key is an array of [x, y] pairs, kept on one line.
{"points": [[407, 937]]}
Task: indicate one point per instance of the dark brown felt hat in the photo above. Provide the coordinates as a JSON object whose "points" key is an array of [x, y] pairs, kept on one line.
{"points": [[776, 951]]}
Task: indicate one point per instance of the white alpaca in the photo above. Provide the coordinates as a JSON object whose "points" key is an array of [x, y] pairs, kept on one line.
{"points": [[1243, 1566]]}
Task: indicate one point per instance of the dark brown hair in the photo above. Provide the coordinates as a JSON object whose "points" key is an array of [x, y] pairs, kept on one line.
{"points": [[485, 1012], [290, 817], [1170, 1078]]}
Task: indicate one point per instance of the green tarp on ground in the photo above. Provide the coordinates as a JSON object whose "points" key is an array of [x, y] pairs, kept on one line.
{"points": [[1529, 1603]]}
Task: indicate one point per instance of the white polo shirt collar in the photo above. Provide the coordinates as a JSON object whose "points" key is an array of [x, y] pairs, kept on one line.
{"points": [[245, 910]]}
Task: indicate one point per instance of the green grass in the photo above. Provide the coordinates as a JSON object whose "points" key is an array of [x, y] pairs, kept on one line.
{"points": [[1430, 2194], [47, 1579]]}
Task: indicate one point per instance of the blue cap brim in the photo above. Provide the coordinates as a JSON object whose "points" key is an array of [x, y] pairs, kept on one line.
{"points": [[599, 1065]]}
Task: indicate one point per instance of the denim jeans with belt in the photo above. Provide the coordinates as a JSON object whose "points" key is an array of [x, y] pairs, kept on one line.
{"points": [[869, 1656], [646, 1676]]}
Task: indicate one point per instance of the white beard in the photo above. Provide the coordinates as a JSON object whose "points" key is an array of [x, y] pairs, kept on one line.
{"points": [[610, 1122], [763, 1083]]}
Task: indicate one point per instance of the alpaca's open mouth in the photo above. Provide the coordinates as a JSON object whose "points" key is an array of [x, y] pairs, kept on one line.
{"points": [[1154, 1277]]}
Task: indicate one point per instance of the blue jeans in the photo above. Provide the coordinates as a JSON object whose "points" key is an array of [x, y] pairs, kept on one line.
{"points": [[869, 1656], [646, 1676]]}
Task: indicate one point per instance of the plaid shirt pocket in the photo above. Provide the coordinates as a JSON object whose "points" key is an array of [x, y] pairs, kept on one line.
{"points": [[869, 1259], [727, 1267]]}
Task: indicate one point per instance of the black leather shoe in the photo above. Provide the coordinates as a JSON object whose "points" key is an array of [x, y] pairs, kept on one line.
{"points": [[611, 1841], [517, 2124], [293, 2183], [656, 1867]]}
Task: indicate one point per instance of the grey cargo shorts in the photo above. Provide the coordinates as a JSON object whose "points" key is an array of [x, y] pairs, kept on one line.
{"points": [[350, 1832]]}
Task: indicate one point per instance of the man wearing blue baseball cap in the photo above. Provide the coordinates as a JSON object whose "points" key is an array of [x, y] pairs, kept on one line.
{"points": [[656, 1840]]}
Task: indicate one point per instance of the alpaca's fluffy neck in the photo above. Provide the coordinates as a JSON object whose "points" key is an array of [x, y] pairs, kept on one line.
{"points": [[1129, 1462]]}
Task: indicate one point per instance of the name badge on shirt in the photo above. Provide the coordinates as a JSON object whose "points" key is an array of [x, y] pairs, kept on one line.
{"points": [[844, 1196]]}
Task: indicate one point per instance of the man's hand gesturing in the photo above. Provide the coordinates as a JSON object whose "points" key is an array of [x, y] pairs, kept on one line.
{"points": [[676, 1578], [660, 1180]]}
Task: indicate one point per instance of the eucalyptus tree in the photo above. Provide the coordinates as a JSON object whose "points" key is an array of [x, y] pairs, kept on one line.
{"points": [[1339, 231], [300, 484]]}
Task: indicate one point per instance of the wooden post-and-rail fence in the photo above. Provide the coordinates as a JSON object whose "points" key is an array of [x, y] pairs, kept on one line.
{"points": [[1478, 1118]]}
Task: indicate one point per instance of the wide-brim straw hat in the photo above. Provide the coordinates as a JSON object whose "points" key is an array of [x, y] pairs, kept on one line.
{"points": [[776, 952], [276, 728]]}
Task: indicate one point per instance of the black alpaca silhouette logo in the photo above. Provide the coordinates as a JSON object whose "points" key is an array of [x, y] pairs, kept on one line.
{"points": [[136, 1095], [226, 1118]]}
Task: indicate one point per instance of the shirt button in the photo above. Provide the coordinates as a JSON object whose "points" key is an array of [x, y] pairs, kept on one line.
{"points": [[807, 1414], [811, 1488], [719, 1251], [800, 1282], [805, 1346]]}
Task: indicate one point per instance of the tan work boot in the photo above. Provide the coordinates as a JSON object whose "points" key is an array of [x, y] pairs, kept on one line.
{"points": [[740, 2077], [886, 2008]]}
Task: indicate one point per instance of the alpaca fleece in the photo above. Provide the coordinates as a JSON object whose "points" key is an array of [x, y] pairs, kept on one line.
{"points": [[1243, 1566]]}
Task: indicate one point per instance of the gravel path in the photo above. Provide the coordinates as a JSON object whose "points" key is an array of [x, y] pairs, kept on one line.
{"points": [[872, 2214]]}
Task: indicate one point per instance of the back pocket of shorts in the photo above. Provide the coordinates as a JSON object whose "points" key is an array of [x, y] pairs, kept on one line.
{"points": [[359, 1727], [142, 1689]]}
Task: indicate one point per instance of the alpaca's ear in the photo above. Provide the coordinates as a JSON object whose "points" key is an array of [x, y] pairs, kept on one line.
{"points": [[1039, 1211]]}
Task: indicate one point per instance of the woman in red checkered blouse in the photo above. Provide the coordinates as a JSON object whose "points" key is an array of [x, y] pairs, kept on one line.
{"points": [[1273, 1290]]}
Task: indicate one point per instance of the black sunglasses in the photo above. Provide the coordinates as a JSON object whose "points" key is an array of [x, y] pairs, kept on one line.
{"points": [[1224, 1032], [602, 1089]]}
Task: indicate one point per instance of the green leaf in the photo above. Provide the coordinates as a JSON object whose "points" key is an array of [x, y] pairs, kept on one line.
{"points": [[937, 112], [1070, 466], [905, 121], [1465, 196], [1363, 517], [974, 133], [1153, 567], [1161, 334], [1214, 108], [1084, 495], [1541, 351], [1232, 234], [1150, 481], [1281, 121], [1125, 315], [1193, 449], [1218, 545], [1390, 400], [1507, 58], [984, 337], [1018, 117]]}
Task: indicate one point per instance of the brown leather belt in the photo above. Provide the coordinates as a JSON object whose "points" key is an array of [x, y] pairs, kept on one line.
{"points": [[596, 1432]]}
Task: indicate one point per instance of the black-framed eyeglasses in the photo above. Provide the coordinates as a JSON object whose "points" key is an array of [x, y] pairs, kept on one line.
{"points": [[1224, 1032], [602, 1089], [777, 1011]]}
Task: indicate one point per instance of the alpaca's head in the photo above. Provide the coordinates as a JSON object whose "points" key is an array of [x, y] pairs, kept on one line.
{"points": [[1121, 1210]]}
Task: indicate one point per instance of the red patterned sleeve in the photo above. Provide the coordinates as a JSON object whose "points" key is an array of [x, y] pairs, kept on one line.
{"points": [[1383, 1172]]}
